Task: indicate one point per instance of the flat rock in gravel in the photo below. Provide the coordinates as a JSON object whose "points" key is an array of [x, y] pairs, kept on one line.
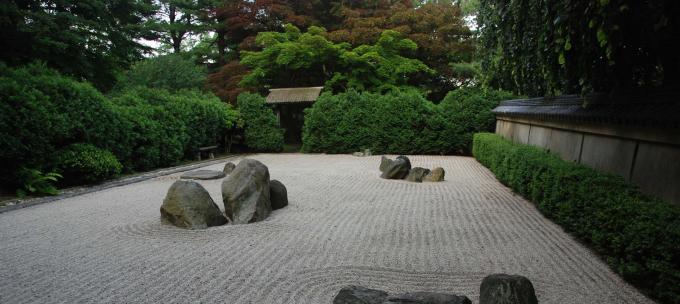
{"points": [[203, 174], [436, 175], [188, 205], [397, 169], [246, 193], [359, 295], [428, 298], [278, 194], [416, 174], [228, 167], [506, 289]]}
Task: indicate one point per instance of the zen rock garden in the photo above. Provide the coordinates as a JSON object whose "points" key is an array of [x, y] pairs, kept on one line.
{"points": [[247, 193], [495, 289], [400, 168]]}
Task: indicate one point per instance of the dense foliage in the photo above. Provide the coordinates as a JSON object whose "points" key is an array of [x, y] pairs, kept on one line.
{"points": [[293, 58], [85, 163], [438, 28], [171, 72], [262, 131], [400, 122], [160, 128], [42, 112], [90, 39], [562, 47], [638, 236]]}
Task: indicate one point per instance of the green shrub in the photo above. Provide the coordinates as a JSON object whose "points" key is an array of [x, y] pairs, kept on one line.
{"points": [[162, 128], [638, 236], [399, 122], [85, 163], [469, 110], [262, 131], [42, 111], [172, 72]]}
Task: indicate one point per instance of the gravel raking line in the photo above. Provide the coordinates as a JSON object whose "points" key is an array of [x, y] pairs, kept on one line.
{"points": [[344, 225]]}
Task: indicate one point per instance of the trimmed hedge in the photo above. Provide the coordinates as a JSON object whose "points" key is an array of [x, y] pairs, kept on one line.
{"points": [[399, 122], [262, 131], [85, 163], [42, 112], [638, 235]]}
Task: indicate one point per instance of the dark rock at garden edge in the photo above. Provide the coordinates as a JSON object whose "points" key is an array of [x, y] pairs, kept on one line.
{"points": [[506, 289], [228, 167], [416, 174], [203, 174], [384, 163], [429, 298], [397, 169], [278, 194], [189, 205], [359, 295], [245, 192], [436, 175]]}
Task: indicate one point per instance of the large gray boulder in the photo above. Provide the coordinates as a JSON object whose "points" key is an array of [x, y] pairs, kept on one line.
{"points": [[384, 163], [397, 169], [278, 194], [228, 167], [436, 175], [359, 295], [245, 192], [416, 174], [202, 174], [506, 289], [188, 205], [429, 298]]}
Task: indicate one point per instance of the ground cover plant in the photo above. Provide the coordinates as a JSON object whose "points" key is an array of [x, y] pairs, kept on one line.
{"points": [[637, 235]]}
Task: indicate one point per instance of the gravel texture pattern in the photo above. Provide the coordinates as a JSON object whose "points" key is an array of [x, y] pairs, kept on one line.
{"points": [[344, 225]]}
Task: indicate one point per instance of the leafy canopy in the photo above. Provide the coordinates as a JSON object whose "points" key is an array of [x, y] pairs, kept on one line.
{"points": [[293, 58]]}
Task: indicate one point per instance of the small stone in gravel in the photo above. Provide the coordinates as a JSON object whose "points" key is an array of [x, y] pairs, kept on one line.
{"points": [[358, 154], [188, 205], [429, 298], [245, 192], [397, 169], [436, 175], [203, 174], [506, 289], [416, 174], [228, 167], [278, 194], [359, 295]]}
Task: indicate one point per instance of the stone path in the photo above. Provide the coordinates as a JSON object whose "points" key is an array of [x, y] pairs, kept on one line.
{"points": [[344, 225]]}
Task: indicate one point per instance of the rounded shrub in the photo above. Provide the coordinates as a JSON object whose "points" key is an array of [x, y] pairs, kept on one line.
{"points": [[41, 111], [399, 122], [85, 163], [262, 131]]}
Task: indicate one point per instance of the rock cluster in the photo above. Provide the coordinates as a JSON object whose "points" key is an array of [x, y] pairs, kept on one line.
{"points": [[495, 289], [366, 152], [247, 193], [400, 168]]}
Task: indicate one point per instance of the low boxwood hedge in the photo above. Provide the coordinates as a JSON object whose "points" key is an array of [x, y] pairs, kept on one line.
{"points": [[636, 234]]}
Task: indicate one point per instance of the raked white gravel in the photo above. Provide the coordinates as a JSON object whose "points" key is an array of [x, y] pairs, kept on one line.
{"points": [[344, 225]]}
